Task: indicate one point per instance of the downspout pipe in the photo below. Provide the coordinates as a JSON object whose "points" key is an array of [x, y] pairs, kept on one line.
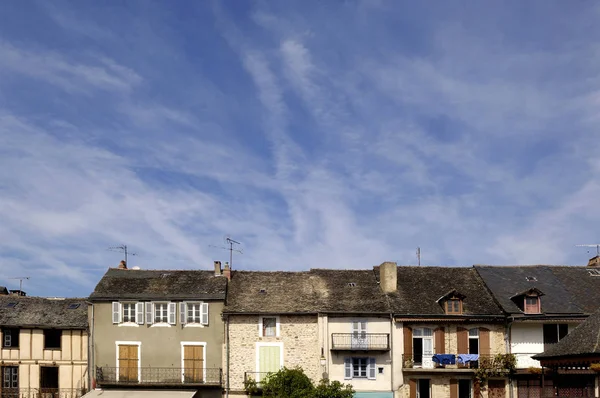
{"points": [[227, 355]]}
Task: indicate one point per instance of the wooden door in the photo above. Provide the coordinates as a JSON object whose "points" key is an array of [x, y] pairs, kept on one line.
{"points": [[128, 363], [496, 389], [193, 364]]}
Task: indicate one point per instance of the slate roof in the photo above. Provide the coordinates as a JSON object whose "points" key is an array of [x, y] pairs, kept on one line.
{"points": [[314, 291], [584, 340], [122, 284], [567, 289], [420, 288], [39, 312]]}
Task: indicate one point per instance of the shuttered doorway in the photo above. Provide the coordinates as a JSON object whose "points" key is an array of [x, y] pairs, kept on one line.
{"points": [[269, 360], [193, 363], [128, 363]]}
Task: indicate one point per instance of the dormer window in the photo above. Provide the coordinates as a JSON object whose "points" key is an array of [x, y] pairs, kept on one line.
{"points": [[452, 302], [454, 306], [532, 305]]}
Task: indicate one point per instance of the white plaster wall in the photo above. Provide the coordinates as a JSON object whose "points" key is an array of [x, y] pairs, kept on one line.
{"points": [[527, 339]]}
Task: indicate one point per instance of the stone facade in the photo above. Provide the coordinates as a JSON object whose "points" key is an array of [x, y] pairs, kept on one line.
{"points": [[298, 335]]}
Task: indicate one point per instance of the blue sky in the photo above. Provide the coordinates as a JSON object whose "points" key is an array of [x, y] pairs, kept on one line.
{"points": [[320, 134]]}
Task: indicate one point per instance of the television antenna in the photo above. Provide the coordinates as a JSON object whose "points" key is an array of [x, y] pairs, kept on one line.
{"points": [[21, 278], [122, 249], [418, 255], [597, 246], [229, 242]]}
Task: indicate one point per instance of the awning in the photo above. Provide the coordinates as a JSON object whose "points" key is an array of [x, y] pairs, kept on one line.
{"points": [[375, 394], [139, 393]]}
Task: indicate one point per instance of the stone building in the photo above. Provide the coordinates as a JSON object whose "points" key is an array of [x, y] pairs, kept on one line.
{"points": [[44, 346]]}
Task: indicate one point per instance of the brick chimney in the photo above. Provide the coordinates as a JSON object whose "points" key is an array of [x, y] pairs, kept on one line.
{"points": [[388, 276], [122, 265], [218, 271], [227, 271], [594, 262]]}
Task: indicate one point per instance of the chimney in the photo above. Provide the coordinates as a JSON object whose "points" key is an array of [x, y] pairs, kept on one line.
{"points": [[388, 276], [227, 271], [122, 265], [218, 268], [594, 262]]}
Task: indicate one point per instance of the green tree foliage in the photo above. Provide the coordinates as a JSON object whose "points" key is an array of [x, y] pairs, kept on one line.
{"points": [[293, 383]]}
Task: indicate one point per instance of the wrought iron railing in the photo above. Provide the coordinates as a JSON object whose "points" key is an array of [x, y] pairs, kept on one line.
{"points": [[360, 341], [158, 376], [427, 362], [42, 392]]}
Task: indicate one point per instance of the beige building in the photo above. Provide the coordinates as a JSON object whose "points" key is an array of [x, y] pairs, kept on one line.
{"points": [[44, 347], [158, 329]]}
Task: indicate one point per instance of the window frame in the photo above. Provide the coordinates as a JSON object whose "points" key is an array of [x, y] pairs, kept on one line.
{"points": [[58, 334], [261, 326], [532, 308], [450, 307], [370, 368], [158, 320], [129, 305], [11, 336], [13, 374]]}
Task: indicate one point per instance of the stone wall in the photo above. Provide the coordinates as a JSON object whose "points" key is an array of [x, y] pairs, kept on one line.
{"points": [[298, 335]]}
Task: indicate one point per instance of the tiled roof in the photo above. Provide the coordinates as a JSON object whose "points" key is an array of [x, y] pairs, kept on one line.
{"points": [[584, 340], [22, 311], [156, 284], [317, 290], [420, 288], [567, 289]]}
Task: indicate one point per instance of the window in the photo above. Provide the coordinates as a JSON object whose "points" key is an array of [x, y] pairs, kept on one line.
{"points": [[454, 306], [161, 313], [464, 388], [423, 347], [128, 312], [423, 388], [269, 327], [52, 339], [193, 313], [360, 368], [73, 306], [474, 341], [10, 377], [532, 305], [48, 377], [10, 338], [553, 333]]}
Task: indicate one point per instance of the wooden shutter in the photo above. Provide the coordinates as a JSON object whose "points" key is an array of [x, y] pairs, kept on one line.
{"points": [[149, 314], [193, 363], [139, 313], [440, 340], [347, 368], [453, 388], [484, 341], [172, 313], [413, 388], [408, 344], [371, 369], [116, 312], [462, 336], [182, 314], [204, 313], [128, 362], [477, 388]]}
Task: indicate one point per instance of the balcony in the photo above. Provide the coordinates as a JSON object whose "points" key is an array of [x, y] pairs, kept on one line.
{"points": [[42, 393], [360, 342], [151, 376], [426, 362]]}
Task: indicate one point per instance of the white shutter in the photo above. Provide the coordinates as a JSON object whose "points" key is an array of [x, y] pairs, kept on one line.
{"points": [[116, 312], [149, 314], [371, 369], [347, 368], [139, 313], [172, 313], [204, 313], [182, 317]]}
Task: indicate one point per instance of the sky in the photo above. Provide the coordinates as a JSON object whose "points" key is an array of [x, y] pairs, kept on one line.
{"points": [[334, 134]]}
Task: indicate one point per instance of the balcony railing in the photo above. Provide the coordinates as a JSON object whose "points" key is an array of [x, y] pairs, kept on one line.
{"points": [[258, 377], [42, 392], [411, 361], [360, 341], [158, 376]]}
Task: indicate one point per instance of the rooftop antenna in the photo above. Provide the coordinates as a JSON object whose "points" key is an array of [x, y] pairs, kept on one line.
{"points": [[122, 249], [229, 242], [419, 255], [597, 246], [21, 278]]}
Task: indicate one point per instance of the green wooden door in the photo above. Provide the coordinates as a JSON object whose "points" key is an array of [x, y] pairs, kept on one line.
{"points": [[269, 359]]}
